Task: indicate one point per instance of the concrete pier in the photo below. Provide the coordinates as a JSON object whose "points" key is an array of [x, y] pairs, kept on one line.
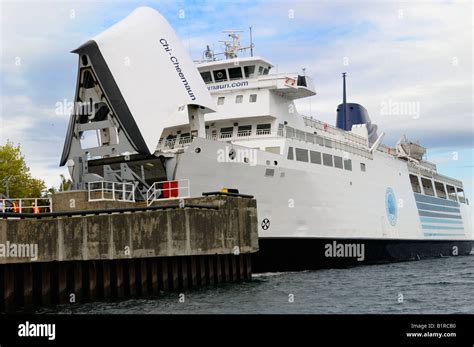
{"points": [[111, 253]]}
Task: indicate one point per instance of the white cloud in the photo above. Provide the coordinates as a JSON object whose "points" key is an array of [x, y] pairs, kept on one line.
{"points": [[390, 58]]}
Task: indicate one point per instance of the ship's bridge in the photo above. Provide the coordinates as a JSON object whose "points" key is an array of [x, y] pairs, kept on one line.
{"points": [[253, 73]]}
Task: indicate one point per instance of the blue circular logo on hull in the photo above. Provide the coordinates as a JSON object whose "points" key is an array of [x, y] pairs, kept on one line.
{"points": [[391, 206]]}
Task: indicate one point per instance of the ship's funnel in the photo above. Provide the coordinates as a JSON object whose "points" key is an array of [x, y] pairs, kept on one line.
{"points": [[349, 114], [141, 71]]}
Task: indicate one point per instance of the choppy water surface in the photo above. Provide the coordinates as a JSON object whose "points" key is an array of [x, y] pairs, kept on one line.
{"points": [[430, 286]]}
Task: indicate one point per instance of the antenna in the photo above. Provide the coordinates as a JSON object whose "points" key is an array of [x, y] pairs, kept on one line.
{"points": [[208, 54], [344, 98], [251, 42], [232, 47]]}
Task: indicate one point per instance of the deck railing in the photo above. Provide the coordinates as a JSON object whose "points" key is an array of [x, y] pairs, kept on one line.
{"points": [[26, 205], [350, 143], [111, 191], [168, 190]]}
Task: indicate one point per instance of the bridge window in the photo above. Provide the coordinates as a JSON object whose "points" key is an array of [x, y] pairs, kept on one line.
{"points": [[227, 132], [440, 192], [266, 70], [338, 162], [249, 71], [427, 186], [327, 159], [451, 192], [244, 130], [348, 164], [461, 196], [290, 153], [253, 98], [239, 99], [206, 76], [301, 154], [260, 70], [220, 75], [235, 73], [264, 129], [315, 157], [415, 184], [220, 100]]}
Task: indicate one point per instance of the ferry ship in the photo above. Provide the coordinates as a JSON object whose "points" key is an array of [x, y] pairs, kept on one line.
{"points": [[147, 115]]}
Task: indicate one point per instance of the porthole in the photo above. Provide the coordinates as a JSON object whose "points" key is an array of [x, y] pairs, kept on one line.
{"points": [[197, 150]]}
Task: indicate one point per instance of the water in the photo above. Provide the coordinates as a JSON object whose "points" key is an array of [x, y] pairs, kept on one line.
{"points": [[433, 286]]}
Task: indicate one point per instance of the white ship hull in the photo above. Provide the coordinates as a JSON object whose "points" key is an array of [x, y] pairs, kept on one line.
{"points": [[317, 204]]}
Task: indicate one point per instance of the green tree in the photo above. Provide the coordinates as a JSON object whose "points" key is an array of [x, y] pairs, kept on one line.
{"points": [[15, 177], [65, 185]]}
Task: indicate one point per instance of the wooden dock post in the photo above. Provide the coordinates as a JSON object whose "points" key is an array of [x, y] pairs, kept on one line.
{"points": [[132, 276], [184, 272], [27, 273], [62, 282], [233, 261], [226, 268], [92, 276], [164, 274], [77, 282], [8, 288], [105, 279], [143, 284], [248, 262], [241, 267], [46, 284], [193, 271], [210, 266], [202, 271], [153, 264], [175, 273], [119, 278]]}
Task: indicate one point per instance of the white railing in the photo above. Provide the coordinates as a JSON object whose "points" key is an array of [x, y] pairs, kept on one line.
{"points": [[244, 133], [226, 135], [184, 140], [26, 205], [263, 132], [111, 191], [319, 125], [350, 147], [167, 190]]}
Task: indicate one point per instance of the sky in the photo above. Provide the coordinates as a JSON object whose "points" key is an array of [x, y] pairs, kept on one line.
{"points": [[408, 63]]}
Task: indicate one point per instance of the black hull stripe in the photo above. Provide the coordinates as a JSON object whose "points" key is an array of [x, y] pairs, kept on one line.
{"points": [[292, 254]]}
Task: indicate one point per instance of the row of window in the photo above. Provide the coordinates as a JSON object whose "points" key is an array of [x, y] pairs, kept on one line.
{"points": [[316, 157], [238, 99], [449, 192], [261, 129], [233, 73]]}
